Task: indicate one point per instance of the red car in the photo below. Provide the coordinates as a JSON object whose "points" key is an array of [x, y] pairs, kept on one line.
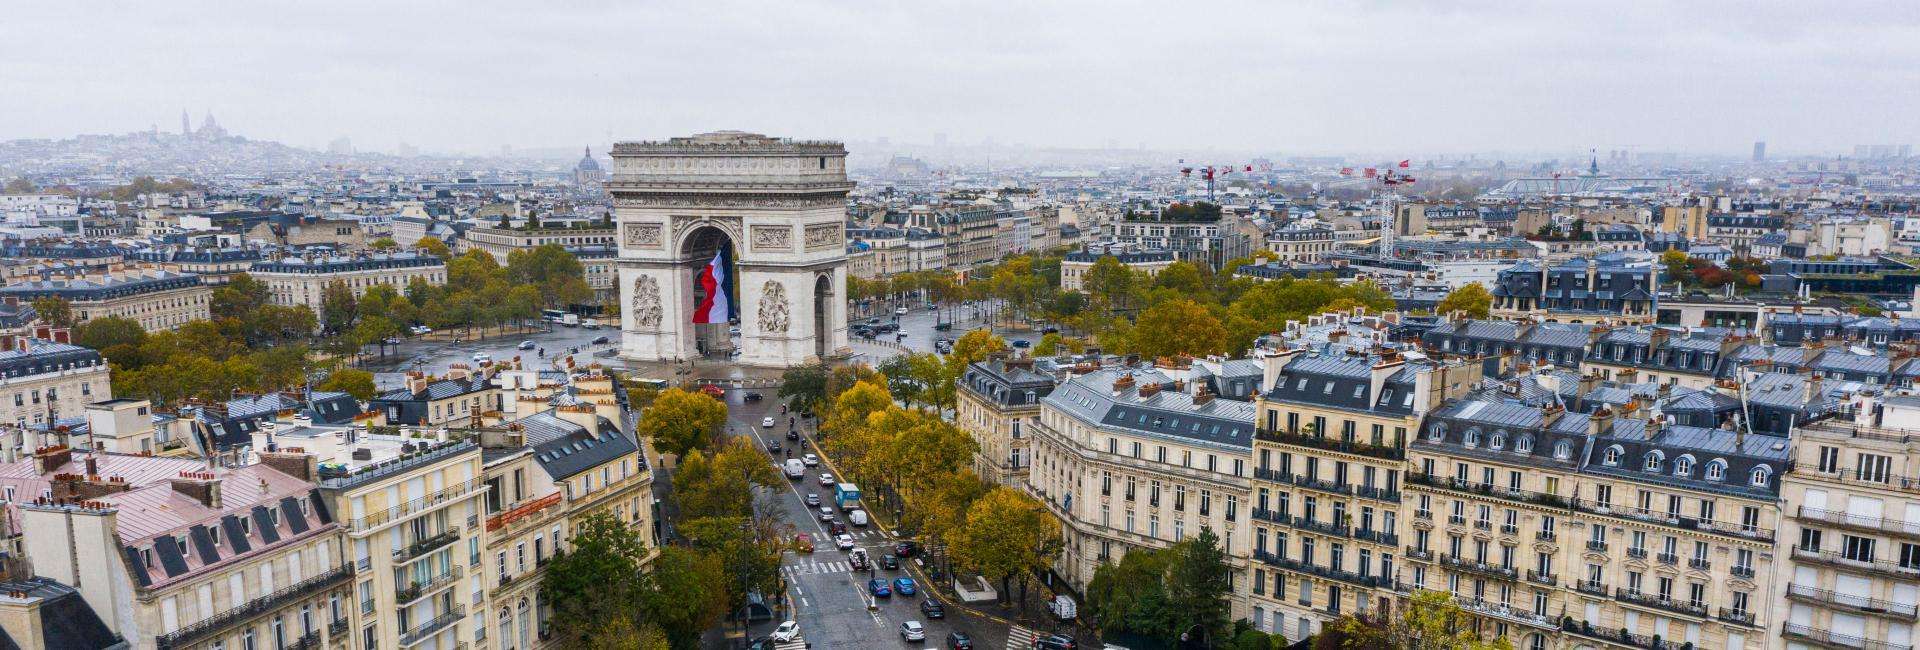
{"points": [[803, 543]]}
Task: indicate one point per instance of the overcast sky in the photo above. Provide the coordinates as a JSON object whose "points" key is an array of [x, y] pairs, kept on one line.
{"points": [[1285, 77]]}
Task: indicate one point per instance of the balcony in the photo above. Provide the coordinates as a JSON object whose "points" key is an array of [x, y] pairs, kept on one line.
{"points": [[1505, 612], [1542, 578], [417, 590], [420, 548], [522, 512], [1382, 452], [1323, 485], [1660, 601], [1861, 604], [1736, 616], [1377, 537], [1509, 529], [1594, 587], [414, 507], [1415, 553], [1671, 519], [308, 641], [337, 627], [1377, 494], [1423, 514], [1667, 558], [427, 629], [1700, 563], [1870, 524], [1598, 546], [1833, 640], [1486, 489], [1838, 560], [1636, 552], [1271, 516], [1322, 527], [309, 588], [1482, 524], [1544, 536], [390, 468], [1457, 520], [1614, 636], [1481, 568], [1321, 571], [1742, 572]]}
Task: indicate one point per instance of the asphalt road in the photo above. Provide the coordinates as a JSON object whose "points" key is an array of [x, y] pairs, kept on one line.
{"points": [[831, 602], [920, 333], [435, 356]]}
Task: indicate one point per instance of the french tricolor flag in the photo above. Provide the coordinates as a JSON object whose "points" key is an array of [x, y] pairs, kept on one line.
{"points": [[713, 279]]}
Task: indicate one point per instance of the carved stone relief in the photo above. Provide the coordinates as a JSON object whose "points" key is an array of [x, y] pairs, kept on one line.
{"points": [[773, 238], [773, 308], [824, 236], [646, 302], [643, 235]]}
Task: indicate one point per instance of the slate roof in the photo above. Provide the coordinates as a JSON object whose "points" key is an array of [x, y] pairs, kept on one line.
{"points": [[565, 449], [1171, 414], [43, 357], [66, 621]]}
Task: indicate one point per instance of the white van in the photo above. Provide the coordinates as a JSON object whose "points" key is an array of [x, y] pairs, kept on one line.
{"points": [[857, 517], [795, 469]]}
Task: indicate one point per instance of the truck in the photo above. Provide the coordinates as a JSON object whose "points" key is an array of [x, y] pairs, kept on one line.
{"points": [[846, 496], [570, 320]]}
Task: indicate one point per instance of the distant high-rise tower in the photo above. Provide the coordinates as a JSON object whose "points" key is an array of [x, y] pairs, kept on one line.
{"points": [[1760, 151], [186, 127]]}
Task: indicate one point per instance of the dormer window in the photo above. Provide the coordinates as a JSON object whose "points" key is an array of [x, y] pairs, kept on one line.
{"points": [[1760, 475], [1471, 438], [1437, 432], [1523, 445], [1683, 466], [1612, 457], [1499, 441], [1717, 470], [1653, 461]]}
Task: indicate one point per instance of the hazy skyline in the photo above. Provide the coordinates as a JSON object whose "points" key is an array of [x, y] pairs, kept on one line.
{"points": [[1338, 77]]}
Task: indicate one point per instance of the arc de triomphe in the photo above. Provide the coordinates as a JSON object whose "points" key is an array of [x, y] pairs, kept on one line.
{"points": [[778, 209]]}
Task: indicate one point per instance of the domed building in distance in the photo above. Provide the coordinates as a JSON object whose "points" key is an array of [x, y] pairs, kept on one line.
{"points": [[588, 171]]}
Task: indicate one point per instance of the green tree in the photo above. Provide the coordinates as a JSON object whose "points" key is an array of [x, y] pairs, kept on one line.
{"points": [[1178, 327], [684, 594], [1007, 533], [239, 298], [358, 383], [1472, 299], [1674, 261], [433, 246], [1185, 278], [1198, 583], [722, 486], [595, 578], [338, 307], [383, 244], [54, 310], [116, 337], [1110, 285], [681, 421], [1432, 621], [805, 386]]}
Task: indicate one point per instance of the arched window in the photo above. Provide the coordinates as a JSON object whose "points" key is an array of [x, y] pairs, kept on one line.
{"points": [[1536, 642], [1716, 470], [1653, 460], [1760, 475], [1613, 456], [1499, 441], [1471, 438], [1437, 432], [1683, 466], [1562, 450], [1524, 444]]}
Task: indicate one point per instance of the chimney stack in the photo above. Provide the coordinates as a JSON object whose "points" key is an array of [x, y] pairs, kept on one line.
{"points": [[199, 486]]}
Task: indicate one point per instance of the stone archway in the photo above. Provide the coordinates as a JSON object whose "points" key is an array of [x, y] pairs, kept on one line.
{"points": [[823, 305], [697, 248]]}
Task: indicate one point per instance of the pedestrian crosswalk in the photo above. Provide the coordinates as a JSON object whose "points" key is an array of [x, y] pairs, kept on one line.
{"points": [[1020, 637], [798, 643], [810, 568]]}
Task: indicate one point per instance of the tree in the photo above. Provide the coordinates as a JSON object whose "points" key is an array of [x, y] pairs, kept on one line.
{"points": [[1198, 583], [1178, 328], [595, 578], [805, 386], [54, 310], [338, 309], [383, 244], [1184, 277], [721, 486], [681, 421], [1432, 621], [116, 337], [1006, 533], [1472, 298], [358, 383], [239, 298], [1110, 284], [1674, 261], [433, 246], [1349, 633], [20, 185], [975, 345], [1049, 345], [684, 594]]}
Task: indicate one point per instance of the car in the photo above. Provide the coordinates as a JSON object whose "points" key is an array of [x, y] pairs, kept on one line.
{"points": [[904, 586], [826, 480], [857, 559], [838, 527], [889, 563], [788, 631], [813, 500], [527, 345], [903, 549], [810, 460], [752, 397], [931, 608], [1055, 642], [900, 312], [878, 588], [932, 307], [420, 329], [1022, 343], [959, 641], [803, 543], [793, 435], [766, 422], [1050, 330], [826, 513], [482, 358], [591, 326], [944, 327], [600, 340], [393, 340], [912, 631], [845, 542], [774, 447]]}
